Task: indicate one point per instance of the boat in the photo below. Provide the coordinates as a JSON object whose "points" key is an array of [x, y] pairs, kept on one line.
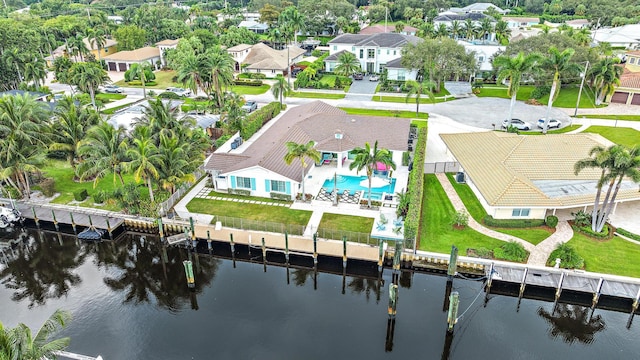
{"points": [[91, 233]]}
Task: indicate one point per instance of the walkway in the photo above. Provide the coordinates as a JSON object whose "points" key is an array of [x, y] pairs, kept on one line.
{"points": [[538, 254], [205, 191]]}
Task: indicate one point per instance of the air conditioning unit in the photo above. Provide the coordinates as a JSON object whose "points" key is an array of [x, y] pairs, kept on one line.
{"points": [[461, 178]]}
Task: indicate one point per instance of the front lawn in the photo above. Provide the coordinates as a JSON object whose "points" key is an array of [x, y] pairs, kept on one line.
{"points": [[316, 95], [389, 113], [412, 100], [106, 98], [534, 235], [565, 129], [612, 117], [352, 223], [524, 93], [163, 80], [255, 212], [615, 256], [436, 232], [566, 99], [250, 90], [620, 135]]}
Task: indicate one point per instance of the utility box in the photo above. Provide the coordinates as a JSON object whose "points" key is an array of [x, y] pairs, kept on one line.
{"points": [[461, 178]]}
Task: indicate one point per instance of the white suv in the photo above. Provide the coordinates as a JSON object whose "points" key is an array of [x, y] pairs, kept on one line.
{"points": [[179, 91]]}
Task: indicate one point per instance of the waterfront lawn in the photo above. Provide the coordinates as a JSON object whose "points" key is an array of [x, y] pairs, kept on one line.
{"points": [[436, 232], [352, 223], [620, 135], [612, 117], [315, 95], [389, 113], [243, 197], [270, 213], [615, 256], [63, 175], [250, 90], [534, 235]]}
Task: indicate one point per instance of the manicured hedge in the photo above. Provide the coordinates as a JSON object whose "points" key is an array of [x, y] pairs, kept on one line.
{"points": [[628, 234], [248, 82], [279, 196], [258, 118], [415, 187], [239, 192], [512, 223], [48, 186], [604, 234]]}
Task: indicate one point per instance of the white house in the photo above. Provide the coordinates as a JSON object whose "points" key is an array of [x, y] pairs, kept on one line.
{"points": [[479, 8], [165, 45], [373, 51], [266, 60], [258, 167], [483, 53], [239, 53], [627, 36], [395, 71], [520, 22], [448, 20], [255, 26]]}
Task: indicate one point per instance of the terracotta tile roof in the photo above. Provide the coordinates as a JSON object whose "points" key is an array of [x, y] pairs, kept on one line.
{"points": [[141, 54], [262, 56], [506, 167], [630, 79], [634, 52], [315, 121]]}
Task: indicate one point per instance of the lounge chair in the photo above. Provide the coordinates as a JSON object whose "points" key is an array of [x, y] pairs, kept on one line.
{"points": [[398, 222], [381, 227]]}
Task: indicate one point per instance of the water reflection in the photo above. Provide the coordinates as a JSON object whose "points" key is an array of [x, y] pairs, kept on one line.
{"points": [[41, 267], [572, 323], [360, 285]]}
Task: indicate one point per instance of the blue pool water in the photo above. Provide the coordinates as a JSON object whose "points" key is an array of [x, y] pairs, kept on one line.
{"points": [[352, 183]]}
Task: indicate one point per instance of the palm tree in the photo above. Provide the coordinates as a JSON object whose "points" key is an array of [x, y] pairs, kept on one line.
{"points": [[15, 56], [615, 163], [294, 20], [70, 128], [427, 30], [233, 116], [558, 63], [469, 29], [513, 68], [35, 71], [367, 158], [455, 29], [301, 151], [190, 72], [141, 71], [220, 65], [23, 130], [281, 88], [348, 64], [572, 323], [88, 77], [77, 46], [103, 152], [174, 163], [160, 118], [485, 28], [502, 32], [97, 39], [418, 89], [19, 342], [605, 75], [144, 158], [442, 31]]}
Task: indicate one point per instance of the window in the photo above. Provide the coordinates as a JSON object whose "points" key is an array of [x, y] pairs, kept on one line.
{"points": [[335, 47], [481, 58], [273, 71], [401, 75], [632, 60], [387, 51], [243, 182], [394, 52], [361, 53], [371, 53], [278, 186], [520, 212], [353, 49], [378, 51]]}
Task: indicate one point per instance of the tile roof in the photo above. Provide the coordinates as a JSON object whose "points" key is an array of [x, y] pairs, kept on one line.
{"points": [[506, 167], [239, 47], [315, 121], [462, 17], [168, 42], [521, 19], [630, 79], [386, 40], [395, 63], [141, 54], [262, 56], [376, 29], [334, 57]]}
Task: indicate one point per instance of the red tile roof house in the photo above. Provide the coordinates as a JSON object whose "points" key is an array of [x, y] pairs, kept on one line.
{"points": [[628, 92], [258, 164]]}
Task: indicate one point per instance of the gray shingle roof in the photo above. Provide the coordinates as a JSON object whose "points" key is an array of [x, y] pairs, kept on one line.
{"points": [[462, 17], [386, 40], [334, 57], [315, 121], [395, 63]]}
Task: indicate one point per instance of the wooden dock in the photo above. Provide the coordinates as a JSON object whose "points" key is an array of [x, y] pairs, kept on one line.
{"points": [[71, 215]]}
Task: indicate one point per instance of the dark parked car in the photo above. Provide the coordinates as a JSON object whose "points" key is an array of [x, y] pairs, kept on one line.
{"points": [[358, 76]]}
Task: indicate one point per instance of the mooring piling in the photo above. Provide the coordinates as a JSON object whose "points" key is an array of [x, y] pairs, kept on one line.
{"points": [[110, 230], [397, 256], [35, 217], [286, 248], [380, 255], [160, 229], [188, 269], [193, 233], [209, 241], [391, 328], [55, 221], [315, 249], [559, 288], [596, 295], [344, 252], [73, 223], [452, 316], [393, 299], [453, 264]]}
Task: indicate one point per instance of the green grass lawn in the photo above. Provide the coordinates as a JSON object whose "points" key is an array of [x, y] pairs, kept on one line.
{"points": [[565, 129], [346, 223], [524, 93], [533, 235], [419, 123], [112, 110], [63, 175], [437, 233], [269, 213], [566, 99], [250, 90], [615, 256], [314, 95], [624, 136], [402, 99], [106, 98], [390, 113], [242, 197], [164, 79], [329, 80], [612, 117]]}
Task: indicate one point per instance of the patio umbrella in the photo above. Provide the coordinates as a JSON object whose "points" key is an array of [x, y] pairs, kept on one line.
{"points": [[335, 189], [376, 182]]}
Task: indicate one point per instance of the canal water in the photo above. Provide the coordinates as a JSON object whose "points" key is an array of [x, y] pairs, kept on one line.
{"points": [[130, 300]]}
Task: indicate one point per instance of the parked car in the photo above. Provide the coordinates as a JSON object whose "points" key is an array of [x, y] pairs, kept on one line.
{"points": [[374, 78], [113, 89], [295, 71], [250, 106], [358, 76], [519, 124], [179, 91], [553, 123]]}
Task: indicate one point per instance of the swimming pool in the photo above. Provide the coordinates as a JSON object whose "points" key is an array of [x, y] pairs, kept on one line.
{"points": [[352, 183]]}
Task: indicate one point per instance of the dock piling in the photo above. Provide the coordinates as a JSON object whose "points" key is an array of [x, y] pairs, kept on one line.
{"points": [[396, 256], [286, 247], [315, 249], [188, 269], [452, 316], [233, 250], [160, 229], [193, 233], [110, 230], [559, 289], [209, 240], [453, 263], [596, 295], [55, 221], [35, 217], [380, 255], [393, 300], [344, 252], [73, 223]]}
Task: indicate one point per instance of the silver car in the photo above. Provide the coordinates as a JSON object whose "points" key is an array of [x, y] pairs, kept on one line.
{"points": [[519, 124], [553, 123], [179, 91]]}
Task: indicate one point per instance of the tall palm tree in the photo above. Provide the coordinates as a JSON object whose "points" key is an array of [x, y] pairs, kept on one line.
{"points": [[442, 31], [144, 158], [281, 88], [160, 118], [23, 130], [190, 72], [513, 68], [173, 168], [485, 29], [103, 151], [88, 77], [97, 39], [615, 163], [141, 71], [455, 29], [15, 57], [348, 64], [605, 75], [35, 71], [77, 46], [558, 63], [70, 128], [301, 151], [417, 89], [368, 158], [20, 343], [294, 19], [220, 65], [427, 30], [469, 29]]}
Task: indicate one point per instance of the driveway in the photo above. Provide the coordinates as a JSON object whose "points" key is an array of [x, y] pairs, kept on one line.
{"points": [[361, 90]]}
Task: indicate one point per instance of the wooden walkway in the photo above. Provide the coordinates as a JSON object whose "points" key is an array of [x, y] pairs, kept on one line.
{"points": [[63, 214]]}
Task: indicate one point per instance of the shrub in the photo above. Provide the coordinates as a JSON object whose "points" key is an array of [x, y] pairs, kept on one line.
{"points": [[628, 234], [512, 223], [551, 221], [483, 253], [415, 187], [80, 195], [604, 234], [257, 76], [13, 192], [248, 82], [139, 83], [569, 257], [244, 76], [258, 118], [511, 251], [540, 91], [169, 95], [279, 196], [406, 158], [100, 196], [221, 140], [239, 192], [365, 201], [48, 187], [460, 218], [581, 218]]}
